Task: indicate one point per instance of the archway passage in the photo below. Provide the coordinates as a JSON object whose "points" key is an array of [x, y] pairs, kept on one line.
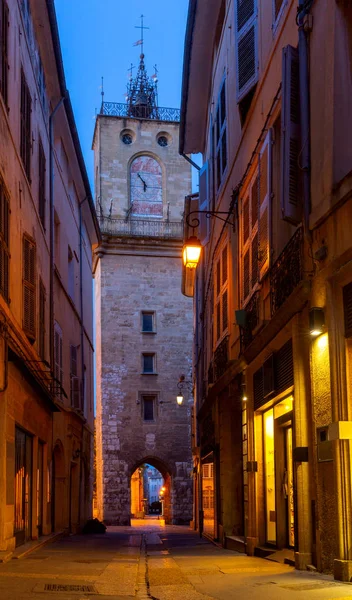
{"points": [[150, 492]]}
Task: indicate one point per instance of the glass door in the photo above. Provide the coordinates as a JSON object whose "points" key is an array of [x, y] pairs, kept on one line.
{"points": [[269, 477], [23, 486], [289, 488], [208, 505]]}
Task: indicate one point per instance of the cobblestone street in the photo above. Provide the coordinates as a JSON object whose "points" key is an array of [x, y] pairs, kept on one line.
{"points": [[151, 560]]}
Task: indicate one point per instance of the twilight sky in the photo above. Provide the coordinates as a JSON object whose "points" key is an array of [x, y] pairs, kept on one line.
{"points": [[97, 38]]}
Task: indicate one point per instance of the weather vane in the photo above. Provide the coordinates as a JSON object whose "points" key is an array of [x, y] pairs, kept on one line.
{"points": [[142, 28]]}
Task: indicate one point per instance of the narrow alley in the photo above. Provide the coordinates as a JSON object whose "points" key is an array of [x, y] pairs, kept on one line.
{"points": [[151, 560]]}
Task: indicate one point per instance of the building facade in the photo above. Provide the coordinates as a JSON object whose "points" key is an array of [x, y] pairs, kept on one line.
{"points": [[143, 323], [48, 226], [272, 291]]}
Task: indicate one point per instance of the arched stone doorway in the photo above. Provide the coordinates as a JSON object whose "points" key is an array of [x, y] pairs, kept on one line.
{"points": [[151, 484], [59, 488]]}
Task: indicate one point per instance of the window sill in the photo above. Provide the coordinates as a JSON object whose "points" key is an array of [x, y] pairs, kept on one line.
{"points": [[143, 373], [148, 332]]}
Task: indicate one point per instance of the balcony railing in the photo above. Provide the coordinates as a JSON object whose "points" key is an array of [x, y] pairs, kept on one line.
{"points": [[142, 228], [252, 320], [160, 113], [287, 271], [221, 358]]}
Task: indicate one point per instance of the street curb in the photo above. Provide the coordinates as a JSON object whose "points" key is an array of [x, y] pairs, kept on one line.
{"points": [[26, 549]]}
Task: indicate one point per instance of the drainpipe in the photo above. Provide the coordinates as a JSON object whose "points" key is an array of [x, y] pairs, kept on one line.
{"points": [[52, 258], [305, 112], [191, 162]]}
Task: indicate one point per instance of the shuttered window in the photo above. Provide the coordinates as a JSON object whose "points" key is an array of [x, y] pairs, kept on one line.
{"points": [[25, 123], [74, 379], [291, 206], [204, 203], [41, 184], [58, 360], [220, 136], [347, 309], [4, 241], [255, 221], [41, 324], [4, 51], [221, 295], [246, 32], [29, 287]]}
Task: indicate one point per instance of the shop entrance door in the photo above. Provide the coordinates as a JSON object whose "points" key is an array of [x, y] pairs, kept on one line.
{"points": [[278, 479], [23, 486]]}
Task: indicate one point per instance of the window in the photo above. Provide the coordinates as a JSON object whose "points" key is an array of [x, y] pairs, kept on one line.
{"points": [[148, 363], [25, 142], [29, 277], [291, 206], [71, 274], [255, 223], [347, 309], [41, 184], [74, 379], [220, 136], [277, 6], [4, 57], [41, 332], [58, 360], [246, 46], [148, 408], [221, 294], [4, 242], [148, 322]]}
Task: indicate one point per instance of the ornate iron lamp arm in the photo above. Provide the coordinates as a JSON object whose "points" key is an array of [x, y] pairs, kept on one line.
{"points": [[195, 222]]}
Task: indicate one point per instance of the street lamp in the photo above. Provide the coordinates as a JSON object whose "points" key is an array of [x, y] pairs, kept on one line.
{"points": [[182, 383], [316, 321], [191, 252]]}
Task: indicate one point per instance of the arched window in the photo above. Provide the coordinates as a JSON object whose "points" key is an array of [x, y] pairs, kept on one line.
{"points": [[146, 187]]}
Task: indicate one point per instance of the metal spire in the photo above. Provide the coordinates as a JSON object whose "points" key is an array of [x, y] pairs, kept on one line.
{"points": [[142, 90]]}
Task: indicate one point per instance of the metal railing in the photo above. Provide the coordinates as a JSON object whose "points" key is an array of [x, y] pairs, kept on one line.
{"points": [[221, 358], [287, 271], [252, 320], [160, 113], [142, 228]]}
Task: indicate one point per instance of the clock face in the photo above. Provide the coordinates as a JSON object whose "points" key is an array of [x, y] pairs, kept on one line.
{"points": [[146, 187]]}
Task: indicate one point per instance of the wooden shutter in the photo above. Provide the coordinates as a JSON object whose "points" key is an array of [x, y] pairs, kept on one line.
{"points": [[42, 301], [249, 236], [204, 202], [41, 184], [75, 392], [73, 360], [264, 206], [246, 33], [29, 276], [25, 136], [4, 58], [291, 205], [4, 242], [58, 360]]}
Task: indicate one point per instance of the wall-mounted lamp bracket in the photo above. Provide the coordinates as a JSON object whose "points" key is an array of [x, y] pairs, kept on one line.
{"points": [[195, 221]]}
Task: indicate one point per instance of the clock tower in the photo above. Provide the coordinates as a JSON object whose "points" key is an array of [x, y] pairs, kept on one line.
{"points": [[143, 322]]}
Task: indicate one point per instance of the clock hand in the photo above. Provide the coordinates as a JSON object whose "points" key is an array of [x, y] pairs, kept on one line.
{"points": [[142, 180]]}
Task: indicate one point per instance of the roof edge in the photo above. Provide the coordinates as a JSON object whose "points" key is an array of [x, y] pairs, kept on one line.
{"points": [[69, 111], [192, 10]]}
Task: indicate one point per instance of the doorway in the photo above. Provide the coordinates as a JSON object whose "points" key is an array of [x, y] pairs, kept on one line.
{"points": [[23, 486], [150, 493], [208, 503], [278, 474]]}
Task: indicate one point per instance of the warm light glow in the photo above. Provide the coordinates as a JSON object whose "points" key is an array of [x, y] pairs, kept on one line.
{"points": [[191, 252], [244, 397], [315, 332], [322, 342], [163, 488], [179, 399]]}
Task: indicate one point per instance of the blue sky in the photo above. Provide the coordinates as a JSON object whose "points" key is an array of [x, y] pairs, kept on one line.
{"points": [[97, 39]]}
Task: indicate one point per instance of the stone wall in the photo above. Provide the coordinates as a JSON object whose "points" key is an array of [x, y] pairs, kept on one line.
{"points": [[145, 279]]}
